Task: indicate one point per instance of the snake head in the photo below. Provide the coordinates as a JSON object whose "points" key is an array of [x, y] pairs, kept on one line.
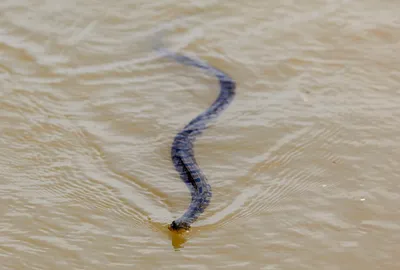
{"points": [[179, 226]]}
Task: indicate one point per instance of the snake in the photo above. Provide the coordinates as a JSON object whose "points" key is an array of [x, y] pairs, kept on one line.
{"points": [[182, 153]]}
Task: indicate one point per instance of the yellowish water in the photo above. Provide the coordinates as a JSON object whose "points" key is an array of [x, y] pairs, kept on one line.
{"points": [[304, 164]]}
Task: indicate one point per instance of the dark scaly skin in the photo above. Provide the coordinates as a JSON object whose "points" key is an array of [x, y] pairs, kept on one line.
{"points": [[182, 147]]}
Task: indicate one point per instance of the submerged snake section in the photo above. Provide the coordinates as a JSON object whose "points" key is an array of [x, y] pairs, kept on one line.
{"points": [[182, 153]]}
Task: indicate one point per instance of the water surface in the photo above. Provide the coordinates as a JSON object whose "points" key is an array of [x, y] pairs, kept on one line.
{"points": [[303, 164]]}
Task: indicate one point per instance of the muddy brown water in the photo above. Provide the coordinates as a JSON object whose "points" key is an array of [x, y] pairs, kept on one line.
{"points": [[304, 164]]}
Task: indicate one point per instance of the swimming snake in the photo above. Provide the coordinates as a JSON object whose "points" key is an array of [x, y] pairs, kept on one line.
{"points": [[182, 153]]}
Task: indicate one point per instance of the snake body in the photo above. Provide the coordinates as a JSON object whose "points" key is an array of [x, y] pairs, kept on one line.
{"points": [[182, 153]]}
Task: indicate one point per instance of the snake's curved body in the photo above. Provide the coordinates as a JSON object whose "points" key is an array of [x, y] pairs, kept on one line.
{"points": [[182, 153]]}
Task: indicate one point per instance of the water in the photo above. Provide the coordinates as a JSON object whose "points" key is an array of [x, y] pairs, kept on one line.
{"points": [[303, 164]]}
